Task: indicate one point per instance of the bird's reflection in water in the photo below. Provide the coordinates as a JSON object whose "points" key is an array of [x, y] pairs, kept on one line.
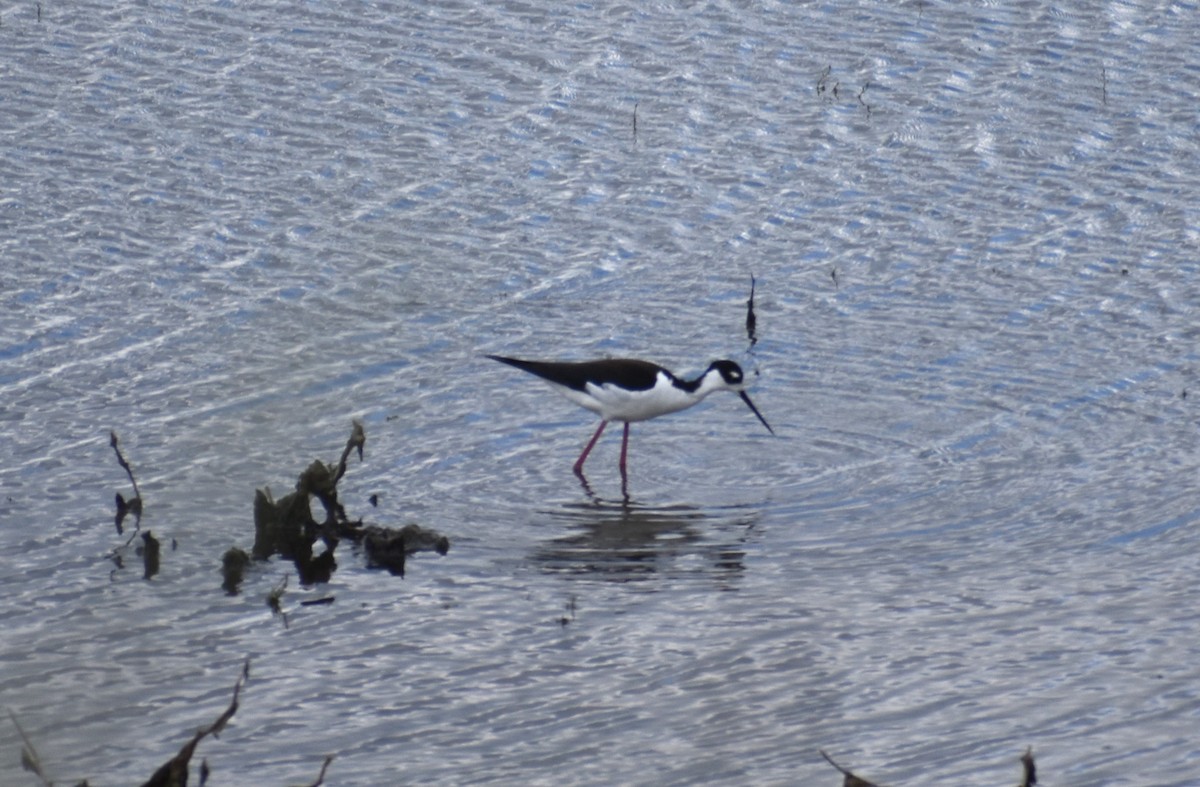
{"points": [[626, 541]]}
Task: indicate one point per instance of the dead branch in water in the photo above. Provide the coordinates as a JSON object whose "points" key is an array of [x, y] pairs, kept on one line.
{"points": [[134, 504], [174, 772], [286, 526], [849, 779]]}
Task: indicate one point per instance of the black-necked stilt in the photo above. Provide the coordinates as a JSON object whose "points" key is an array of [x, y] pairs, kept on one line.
{"points": [[627, 389]]}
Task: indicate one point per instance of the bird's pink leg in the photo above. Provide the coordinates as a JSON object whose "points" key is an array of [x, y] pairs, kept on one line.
{"points": [[583, 457], [624, 449]]}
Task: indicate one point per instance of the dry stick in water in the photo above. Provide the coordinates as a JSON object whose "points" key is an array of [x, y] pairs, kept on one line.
{"points": [[321, 776], [30, 760], [275, 600], [134, 504], [175, 770], [150, 555], [357, 439], [1030, 777], [849, 780], [751, 320]]}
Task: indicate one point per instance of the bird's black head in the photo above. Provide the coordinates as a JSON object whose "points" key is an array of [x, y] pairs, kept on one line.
{"points": [[735, 380], [730, 372]]}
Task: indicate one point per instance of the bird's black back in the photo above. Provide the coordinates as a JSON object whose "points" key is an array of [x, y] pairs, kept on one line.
{"points": [[628, 373]]}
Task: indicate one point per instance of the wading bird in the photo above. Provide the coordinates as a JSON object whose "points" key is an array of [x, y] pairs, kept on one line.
{"points": [[627, 389]]}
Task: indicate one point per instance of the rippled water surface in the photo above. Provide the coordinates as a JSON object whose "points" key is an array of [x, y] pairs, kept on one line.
{"points": [[228, 229]]}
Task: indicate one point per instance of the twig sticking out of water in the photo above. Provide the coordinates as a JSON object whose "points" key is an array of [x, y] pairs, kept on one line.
{"points": [[635, 108], [1030, 777], [1104, 85], [174, 772], [849, 779], [322, 480], [275, 600], [358, 439], [134, 504], [751, 320], [321, 776], [30, 761], [150, 554]]}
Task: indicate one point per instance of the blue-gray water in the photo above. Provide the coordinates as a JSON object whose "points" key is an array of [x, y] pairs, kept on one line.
{"points": [[228, 229]]}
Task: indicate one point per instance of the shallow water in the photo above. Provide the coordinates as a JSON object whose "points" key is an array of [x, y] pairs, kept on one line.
{"points": [[227, 231]]}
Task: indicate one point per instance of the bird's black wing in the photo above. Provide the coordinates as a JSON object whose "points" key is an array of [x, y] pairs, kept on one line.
{"points": [[628, 373]]}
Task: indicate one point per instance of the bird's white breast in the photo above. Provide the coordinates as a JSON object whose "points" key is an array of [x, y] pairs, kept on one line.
{"points": [[614, 403]]}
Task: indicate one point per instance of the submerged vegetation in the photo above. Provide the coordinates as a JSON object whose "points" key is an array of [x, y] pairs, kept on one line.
{"points": [[283, 527], [286, 527], [175, 771]]}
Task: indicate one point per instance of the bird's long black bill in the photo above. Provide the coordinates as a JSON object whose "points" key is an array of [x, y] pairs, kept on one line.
{"points": [[750, 404]]}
